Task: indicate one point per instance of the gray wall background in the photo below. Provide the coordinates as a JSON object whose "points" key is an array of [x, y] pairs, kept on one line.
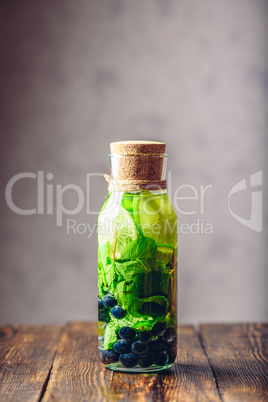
{"points": [[77, 75]]}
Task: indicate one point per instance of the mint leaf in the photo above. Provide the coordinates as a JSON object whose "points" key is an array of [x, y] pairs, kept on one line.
{"points": [[162, 300], [110, 336], [129, 269], [143, 247], [110, 274], [171, 320], [144, 293], [151, 284], [124, 295], [159, 300], [144, 323], [139, 322], [101, 275], [164, 253], [101, 293], [104, 254]]}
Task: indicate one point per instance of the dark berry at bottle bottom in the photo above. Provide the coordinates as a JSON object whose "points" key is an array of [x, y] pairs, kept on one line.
{"points": [[156, 346], [128, 359], [161, 359], [172, 356], [146, 360], [122, 346], [127, 333], [108, 356], [145, 336], [158, 329], [139, 348], [169, 335]]}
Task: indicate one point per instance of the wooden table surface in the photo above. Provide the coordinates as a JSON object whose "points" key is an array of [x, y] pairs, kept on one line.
{"points": [[223, 362]]}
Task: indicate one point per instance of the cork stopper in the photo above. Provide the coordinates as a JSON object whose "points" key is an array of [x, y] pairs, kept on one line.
{"points": [[138, 147], [138, 161]]}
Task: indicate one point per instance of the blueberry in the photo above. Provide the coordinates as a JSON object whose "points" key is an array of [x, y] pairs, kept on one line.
{"points": [[108, 356], [127, 333], [144, 336], [139, 348], [100, 304], [109, 301], [158, 329], [171, 349], [161, 358], [171, 345], [118, 312], [156, 346], [146, 360], [128, 359], [122, 346], [172, 354], [169, 335]]}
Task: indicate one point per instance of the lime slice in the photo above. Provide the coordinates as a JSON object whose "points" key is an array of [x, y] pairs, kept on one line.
{"points": [[157, 218], [148, 216], [164, 253], [116, 226]]}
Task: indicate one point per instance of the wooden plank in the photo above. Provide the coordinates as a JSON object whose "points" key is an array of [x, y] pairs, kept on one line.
{"points": [[77, 374], [191, 378], [26, 355], [238, 354]]}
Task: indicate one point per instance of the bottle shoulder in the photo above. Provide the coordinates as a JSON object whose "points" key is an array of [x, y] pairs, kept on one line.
{"points": [[146, 201]]}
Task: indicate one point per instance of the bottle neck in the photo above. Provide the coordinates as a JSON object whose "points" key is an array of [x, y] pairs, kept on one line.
{"points": [[141, 168]]}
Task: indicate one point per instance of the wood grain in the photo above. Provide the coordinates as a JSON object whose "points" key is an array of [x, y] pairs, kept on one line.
{"points": [[238, 354], [191, 378], [230, 359], [77, 373], [26, 355]]}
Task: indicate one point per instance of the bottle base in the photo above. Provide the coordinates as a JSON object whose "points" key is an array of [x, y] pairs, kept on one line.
{"points": [[154, 367]]}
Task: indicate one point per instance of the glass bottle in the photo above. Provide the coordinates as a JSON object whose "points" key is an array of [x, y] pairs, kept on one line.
{"points": [[137, 262]]}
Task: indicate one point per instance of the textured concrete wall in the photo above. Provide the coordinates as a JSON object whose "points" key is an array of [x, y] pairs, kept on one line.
{"points": [[76, 75]]}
